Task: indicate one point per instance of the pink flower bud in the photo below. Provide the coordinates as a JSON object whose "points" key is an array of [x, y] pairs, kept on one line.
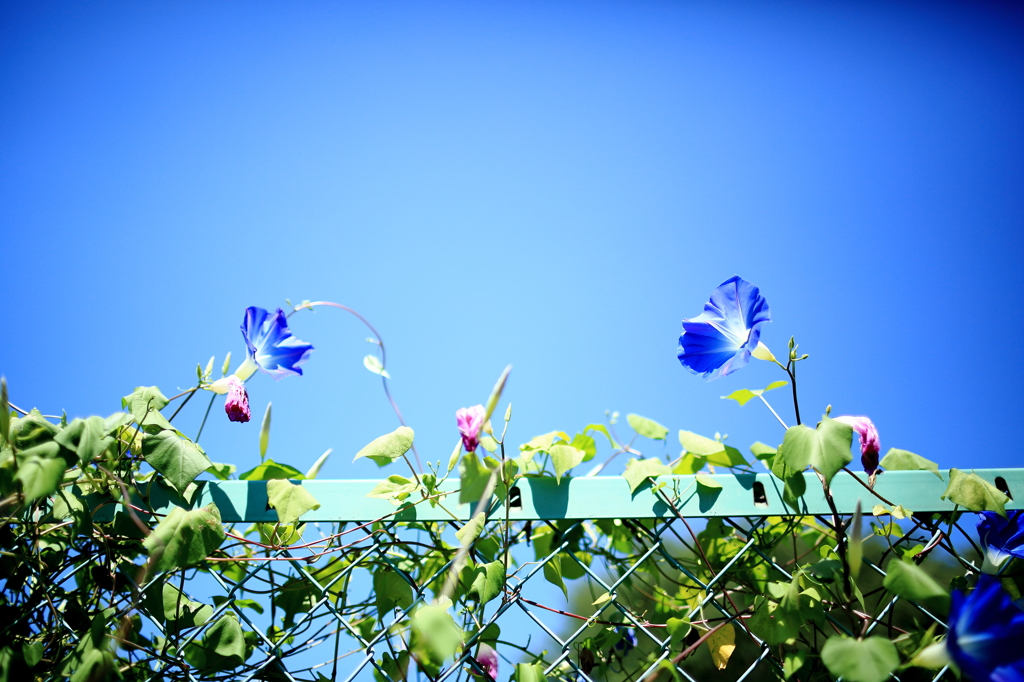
{"points": [[869, 443], [487, 658], [237, 402], [470, 420]]}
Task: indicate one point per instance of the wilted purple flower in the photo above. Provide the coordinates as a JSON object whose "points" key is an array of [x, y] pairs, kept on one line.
{"points": [[470, 420], [271, 346], [869, 443], [1001, 537], [721, 339], [985, 633], [487, 658], [237, 402]]}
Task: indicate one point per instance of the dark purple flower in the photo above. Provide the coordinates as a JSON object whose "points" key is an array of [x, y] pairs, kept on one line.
{"points": [[237, 402], [869, 443], [721, 339]]}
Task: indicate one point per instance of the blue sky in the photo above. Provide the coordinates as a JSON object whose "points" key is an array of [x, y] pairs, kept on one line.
{"points": [[552, 185]]}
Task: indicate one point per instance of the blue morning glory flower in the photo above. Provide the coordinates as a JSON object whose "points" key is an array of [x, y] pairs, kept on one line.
{"points": [[986, 629], [272, 348], [1001, 537], [627, 640], [721, 339]]}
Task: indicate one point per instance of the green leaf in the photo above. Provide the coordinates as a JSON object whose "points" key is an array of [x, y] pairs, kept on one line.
{"points": [[434, 636], [183, 538], [708, 482], [860, 660], [730, 458], [647, 427], [86, 437], [762, 451], [488, 580], [221, 648], [178, 459], [794, 661], [289, 500], [265, 433], [699, 445], [744, 395], [553, 574], [270, 471], [396, 669], [5, 410], [973, 492], [393, 488], [388, 447], [314, 470], [471, 531], [543, 442], [391, 590], [145, 405], [372, 363], [689, 464], [488, 443], [221, 472], [565, 457], [603, 429], [677, 631], [32, 652], [31, 430], [41, 476], [180, 612], [473, 478], [779, 618], [639, 470], [910, 581], [529, 672], [902, 460], [582, 441], [492, 400], [826, 448]]}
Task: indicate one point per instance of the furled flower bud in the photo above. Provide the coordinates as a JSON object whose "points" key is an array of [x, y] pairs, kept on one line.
{"points": [[237, 402], [869, 444], [487, 658], [470, 420]]}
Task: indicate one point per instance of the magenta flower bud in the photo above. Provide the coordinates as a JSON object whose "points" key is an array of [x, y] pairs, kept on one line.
{"points": [[237, 402], [470, 420], [869, 443], [487, 657]]}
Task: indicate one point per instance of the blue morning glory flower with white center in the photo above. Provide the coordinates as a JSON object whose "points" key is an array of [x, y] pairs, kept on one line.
{"points": [[272, 348], [986, 629], [1001, 537], [721, 339]]}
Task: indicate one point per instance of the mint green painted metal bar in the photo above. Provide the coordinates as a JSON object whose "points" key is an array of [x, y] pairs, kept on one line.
{"points": [[603, 497]]}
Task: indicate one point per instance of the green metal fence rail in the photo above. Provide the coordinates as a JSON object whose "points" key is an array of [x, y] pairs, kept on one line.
{"points": [[548, 523]]}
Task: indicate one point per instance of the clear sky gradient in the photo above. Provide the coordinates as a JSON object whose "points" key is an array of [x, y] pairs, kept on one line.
{"points": [[552, 185]]}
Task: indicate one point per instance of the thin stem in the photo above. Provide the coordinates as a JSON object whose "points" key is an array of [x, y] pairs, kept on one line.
{"points": [[840, 535], [203, 425], [791, 368], [191, 392], [383, 362], [773, 411]]}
